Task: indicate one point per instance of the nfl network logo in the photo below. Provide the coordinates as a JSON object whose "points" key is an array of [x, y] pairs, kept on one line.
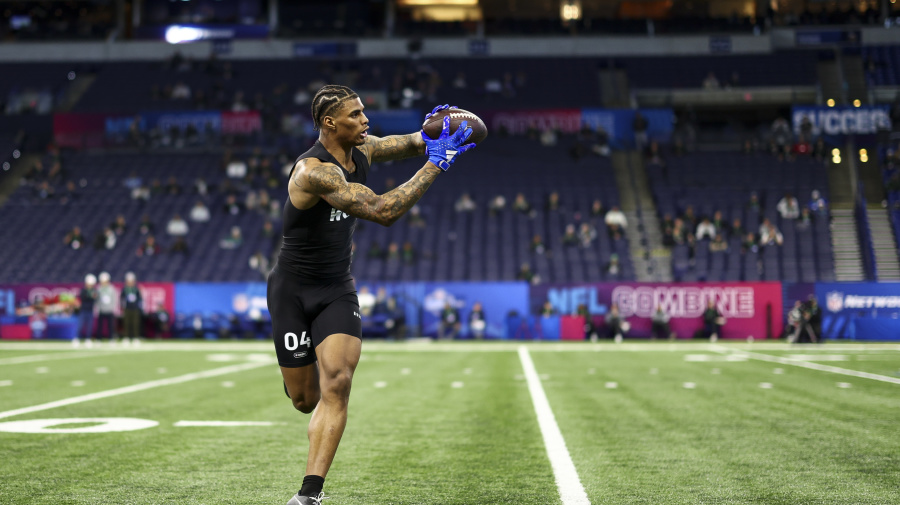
{"points": [[835, 301]]}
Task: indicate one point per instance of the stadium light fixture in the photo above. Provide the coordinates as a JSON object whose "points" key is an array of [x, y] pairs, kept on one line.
{"points": [[857, 103], [570, 10], [835, 152], [830, 102]]}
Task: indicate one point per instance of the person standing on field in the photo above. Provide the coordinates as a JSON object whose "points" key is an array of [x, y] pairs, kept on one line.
{"points": [[132, 309]]}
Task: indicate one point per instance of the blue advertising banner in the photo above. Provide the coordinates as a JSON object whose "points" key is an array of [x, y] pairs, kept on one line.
{"points": [[618, 123], [308, 49], [498, 299], [393, 122], [226, 297], [848, 303], [843, 120], [166, 120]]}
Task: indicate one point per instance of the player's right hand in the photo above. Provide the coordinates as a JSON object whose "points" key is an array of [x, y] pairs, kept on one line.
{"points": [[443, 150]]}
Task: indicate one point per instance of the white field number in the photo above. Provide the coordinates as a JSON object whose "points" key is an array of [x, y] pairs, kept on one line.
{"points": [[291, 342]]}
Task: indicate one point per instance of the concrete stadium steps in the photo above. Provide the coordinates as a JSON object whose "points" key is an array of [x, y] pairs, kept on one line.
{"points": [[848, 262]]}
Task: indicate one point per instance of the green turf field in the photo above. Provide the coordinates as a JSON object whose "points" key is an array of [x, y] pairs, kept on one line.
{"points": [[445, 424]]}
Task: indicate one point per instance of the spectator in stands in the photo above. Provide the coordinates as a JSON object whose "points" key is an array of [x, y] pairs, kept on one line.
{"points": [[251, 200], [771, 236], [199, 213], [548, 137], [232, 206], [106, 239], [718, 244], [87, 298], [597, 209], [639, 125], [201, 187], [526, 274], [180, 246], [259, 263], [547, 309], [132, 310], [149, 247], [753, 204], [497, 205], [537, 245], [477, 321], [660, 327], [44, 191], [781, 135], [667, 226], [414, 218], [156, 188], [614, 324], [718, 221], [817, 203], [146, 226], [172, 186], [177, 227], [788, 207], [465, 203], [586, 234], [654, 156], [74, 239], [805, 219], [141, 194], [408, 253], [106, 307], [616, 217], [749, 243], [119, 225], [70, 194], [181, 91], [690, 218], [712, 321], [613, 269], [520, 204], [375, 251], [552, 202], [570, 238], [450, 324], [234, 239], [238, 104], [393, 251], [710, 82], [705, 230], [737, 228], [680, 232], [820, 150]]}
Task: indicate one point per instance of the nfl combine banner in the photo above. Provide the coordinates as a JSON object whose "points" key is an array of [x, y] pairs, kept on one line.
{"points": [[860, 310], [750, 308]]}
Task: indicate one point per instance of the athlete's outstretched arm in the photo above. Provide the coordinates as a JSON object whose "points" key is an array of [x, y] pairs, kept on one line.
{"points": [[327, 182], [393, 147]]}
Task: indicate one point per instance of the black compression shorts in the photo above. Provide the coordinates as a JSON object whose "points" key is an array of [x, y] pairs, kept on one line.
{"points": [[303, 315]]}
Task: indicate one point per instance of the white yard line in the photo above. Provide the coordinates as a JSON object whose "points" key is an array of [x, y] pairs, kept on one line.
{"points": [[571, 492], [810, 365], [215, 372], [221, 424], [37, 358]]}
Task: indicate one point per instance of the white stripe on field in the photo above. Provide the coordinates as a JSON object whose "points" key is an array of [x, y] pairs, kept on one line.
{"points": [[49, 357], [215, 372], [813, 366], [571, 492], [217, 424]]}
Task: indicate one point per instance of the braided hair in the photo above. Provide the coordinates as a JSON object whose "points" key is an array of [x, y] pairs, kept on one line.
{"points": [[327, 100]]}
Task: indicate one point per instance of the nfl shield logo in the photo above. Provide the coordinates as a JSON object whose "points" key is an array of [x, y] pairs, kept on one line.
{"points": [[835, 301]]}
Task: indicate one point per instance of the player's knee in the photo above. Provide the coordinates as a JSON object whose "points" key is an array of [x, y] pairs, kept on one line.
{"points": [[338, 384], [305, 404]]}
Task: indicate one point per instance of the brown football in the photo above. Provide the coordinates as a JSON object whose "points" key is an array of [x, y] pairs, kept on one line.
{"points": [[433, 125]]}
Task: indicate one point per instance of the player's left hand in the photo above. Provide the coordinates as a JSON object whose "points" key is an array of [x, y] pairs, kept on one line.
{"points": [[442, 151], [438, 109]]}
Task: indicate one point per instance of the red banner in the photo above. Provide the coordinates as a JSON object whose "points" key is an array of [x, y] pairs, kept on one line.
{"points": [[241, 123], [78, 130], [517, 122]]}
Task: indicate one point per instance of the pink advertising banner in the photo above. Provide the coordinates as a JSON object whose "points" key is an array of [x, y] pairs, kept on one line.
{"points": [[750, 308], [153, 293], [518, 121]]}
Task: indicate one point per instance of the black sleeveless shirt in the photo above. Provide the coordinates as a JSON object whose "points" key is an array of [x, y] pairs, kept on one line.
{"points": [[318, 240]]}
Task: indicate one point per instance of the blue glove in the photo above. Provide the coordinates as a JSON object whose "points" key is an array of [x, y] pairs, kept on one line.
{"points": [[443, 150], [438, 109]]}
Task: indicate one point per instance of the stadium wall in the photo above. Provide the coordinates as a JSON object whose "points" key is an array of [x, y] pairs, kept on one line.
{"points": [[782, 38]]}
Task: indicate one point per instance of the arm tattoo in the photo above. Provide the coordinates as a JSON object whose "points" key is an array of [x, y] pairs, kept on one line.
{"points": [[360, 201], [395, 147]]}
